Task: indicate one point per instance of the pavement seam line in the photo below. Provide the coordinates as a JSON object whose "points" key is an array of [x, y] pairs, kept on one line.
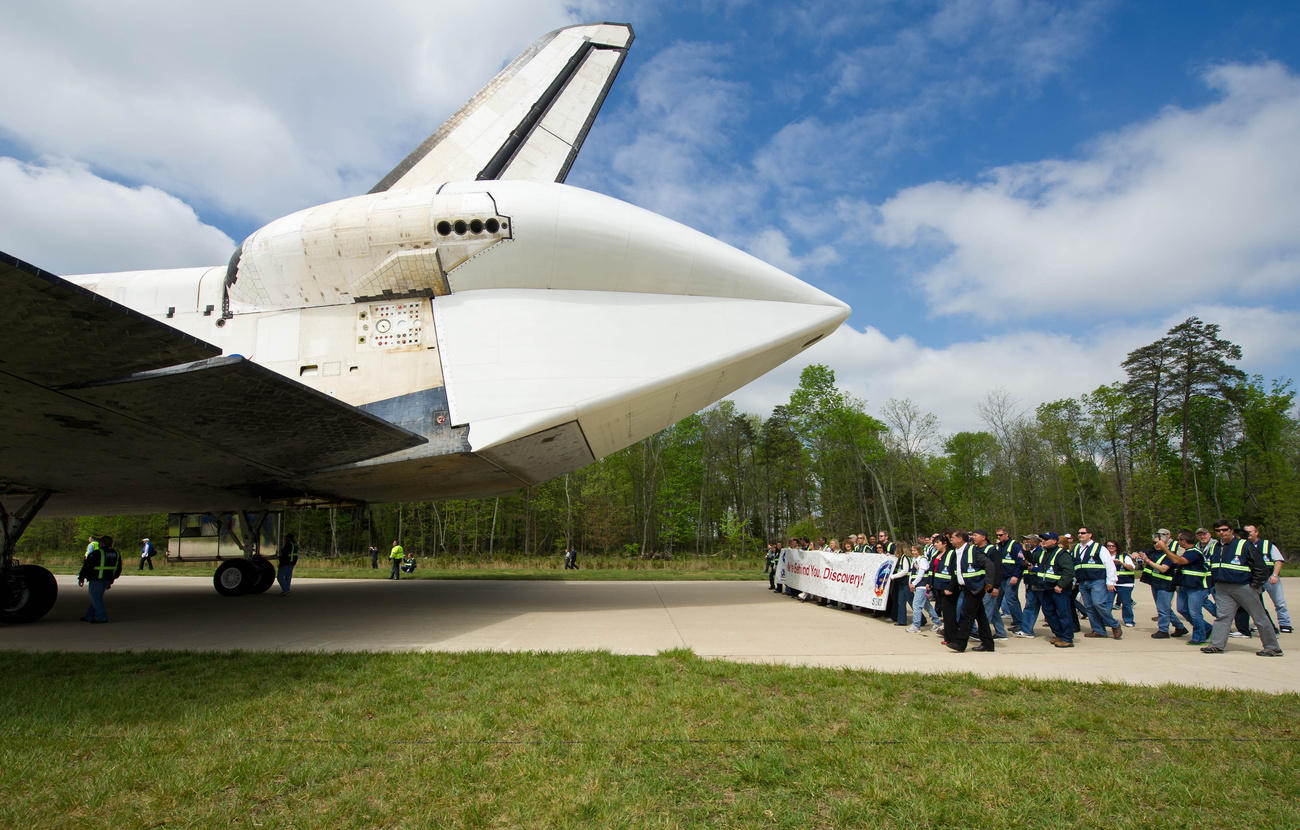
{"points": [[669, 614]]}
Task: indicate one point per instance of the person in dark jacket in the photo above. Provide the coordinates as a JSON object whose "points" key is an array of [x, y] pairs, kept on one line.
{"points": [[287, 557], [98, 570], [944, 587], [1161, 573], [1055, 574], [1012, 556], [978, 572], [1239, 574]]}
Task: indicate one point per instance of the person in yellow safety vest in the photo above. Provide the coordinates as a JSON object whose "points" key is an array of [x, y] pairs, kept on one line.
{"points": [[102, 565], [395, 556], [1239, 573], [1125, 579], [1274, 559], [944, 587], [1193, 585], [977, 572], [1055, 574], [1160, 572]]}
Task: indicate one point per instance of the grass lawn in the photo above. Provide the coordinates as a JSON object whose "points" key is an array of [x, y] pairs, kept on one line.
{"points": [[597, 740], [591, 568]]}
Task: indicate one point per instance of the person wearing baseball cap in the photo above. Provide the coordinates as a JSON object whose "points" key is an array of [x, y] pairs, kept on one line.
{"points": [[1057, 576]]}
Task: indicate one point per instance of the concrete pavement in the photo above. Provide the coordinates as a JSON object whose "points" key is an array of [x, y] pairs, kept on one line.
{"points": [[741, 621]]}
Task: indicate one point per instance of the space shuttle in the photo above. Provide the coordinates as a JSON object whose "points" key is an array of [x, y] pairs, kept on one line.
{"points": [[470, 326]]}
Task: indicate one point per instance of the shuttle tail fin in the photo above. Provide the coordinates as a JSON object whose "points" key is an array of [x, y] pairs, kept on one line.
{"points": [[531, 119]]}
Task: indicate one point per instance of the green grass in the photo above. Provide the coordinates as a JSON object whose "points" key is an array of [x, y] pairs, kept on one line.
{"points": [[591, 568], [596, 740]]}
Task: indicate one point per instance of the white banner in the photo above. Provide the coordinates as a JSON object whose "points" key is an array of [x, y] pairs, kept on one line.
{"points": [[860, 579]]}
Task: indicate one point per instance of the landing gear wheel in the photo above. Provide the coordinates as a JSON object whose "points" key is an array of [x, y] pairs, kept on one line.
{"points": [[265, 576], [234, 577], [29, 594]]}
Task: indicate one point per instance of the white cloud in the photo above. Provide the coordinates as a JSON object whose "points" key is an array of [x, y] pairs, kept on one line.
{"points": [[63, 218], [1195, 204], [965, 48], [252, 109], [773, 246], [670, 151], [1032, 366]]}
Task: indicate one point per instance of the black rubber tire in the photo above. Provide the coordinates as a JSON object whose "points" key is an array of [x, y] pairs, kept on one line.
{"points": [[234, 577], [30, 594], [265, 576]]}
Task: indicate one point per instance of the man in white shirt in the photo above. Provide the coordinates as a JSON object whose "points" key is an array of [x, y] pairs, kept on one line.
{"points": [[1095, 574]]}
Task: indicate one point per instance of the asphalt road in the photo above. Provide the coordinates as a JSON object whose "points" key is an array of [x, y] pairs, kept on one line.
{"points": [[741, 621]]}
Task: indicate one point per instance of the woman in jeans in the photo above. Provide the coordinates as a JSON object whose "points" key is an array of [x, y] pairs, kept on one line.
{"points": [[922, 567], [901, 584], [1124, 569]]}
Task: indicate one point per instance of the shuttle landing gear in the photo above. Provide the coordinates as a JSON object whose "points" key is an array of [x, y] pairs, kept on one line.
{"points": [[27, 592], [244, 576], [253, 574]]}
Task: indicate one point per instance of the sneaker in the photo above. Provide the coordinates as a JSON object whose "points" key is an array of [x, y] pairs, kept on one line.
{"points": [[1023, 634], [1129, 625], [935, 628], [1270, 652], [1286, 629], [1180, 632], [911, 629], [1236, 634], [1160, 635], [1212, 650], [284, 593], [1003, 639], [1194, 643]]}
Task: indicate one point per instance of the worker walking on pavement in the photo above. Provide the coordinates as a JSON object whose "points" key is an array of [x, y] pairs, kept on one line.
{"points": [[395, 556], [102, 565], [287, 558]]}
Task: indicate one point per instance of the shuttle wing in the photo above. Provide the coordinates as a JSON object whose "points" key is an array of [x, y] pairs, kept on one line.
{"points": [[530, 120], [117, 413]]}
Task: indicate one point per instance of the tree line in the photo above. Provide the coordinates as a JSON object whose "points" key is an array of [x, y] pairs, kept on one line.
{"points": [[1184, 438]]}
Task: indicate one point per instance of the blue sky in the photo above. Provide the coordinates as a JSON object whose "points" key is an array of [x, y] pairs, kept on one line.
{"points": [[1010, 194]]}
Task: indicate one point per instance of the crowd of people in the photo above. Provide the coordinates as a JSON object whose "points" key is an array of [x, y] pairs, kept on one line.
{"points": [[966, 583]]}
